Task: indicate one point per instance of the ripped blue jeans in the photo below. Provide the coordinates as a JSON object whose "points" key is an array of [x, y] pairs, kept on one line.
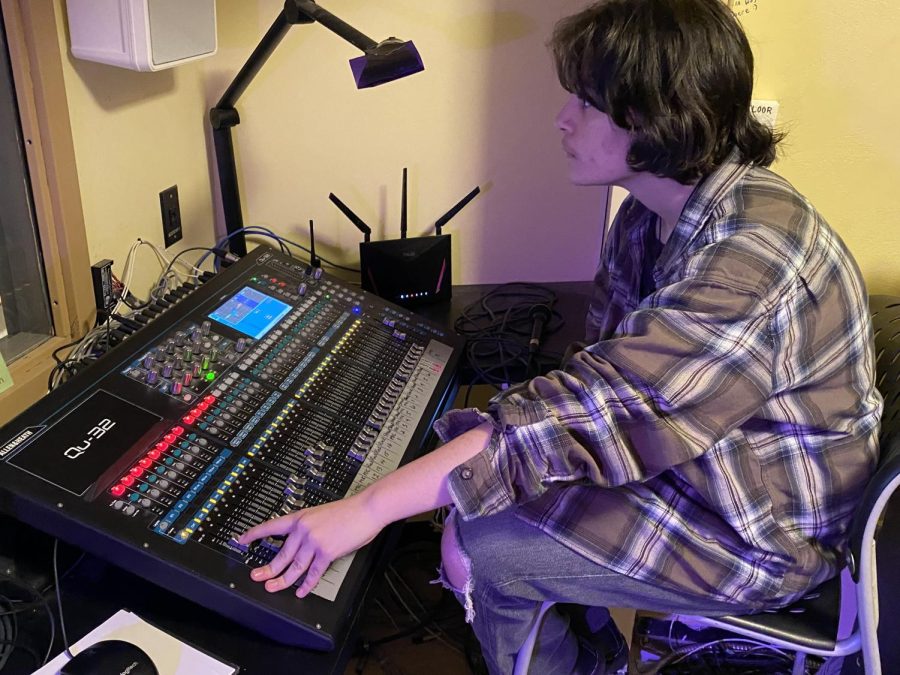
{"points": [[512, 567]]}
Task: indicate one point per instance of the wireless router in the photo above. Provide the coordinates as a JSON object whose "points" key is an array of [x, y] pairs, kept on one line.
{"points": [[408, 271]]}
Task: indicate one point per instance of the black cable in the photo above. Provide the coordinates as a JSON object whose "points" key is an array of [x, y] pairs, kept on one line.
{"points": [[134, 303], [181, 253], [507, 307], [43, 601], [18, 644], [432, 618], [138, 304], [498, 326], [8, 633], [686, 654], [65, 346], [62, 621], [65, 365], [282, 242], [416, 555], [68, 571], [108, 319], [20, 606]]}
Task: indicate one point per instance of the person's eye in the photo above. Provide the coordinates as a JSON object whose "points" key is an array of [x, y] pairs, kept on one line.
{"points": [[585, 103]]}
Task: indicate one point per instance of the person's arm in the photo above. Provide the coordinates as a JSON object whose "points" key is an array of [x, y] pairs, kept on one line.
{"points": [[683, 370], [319, 535]]}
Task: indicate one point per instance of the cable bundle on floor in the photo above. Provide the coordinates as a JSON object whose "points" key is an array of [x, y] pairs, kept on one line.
{"points": [[499, 327]]}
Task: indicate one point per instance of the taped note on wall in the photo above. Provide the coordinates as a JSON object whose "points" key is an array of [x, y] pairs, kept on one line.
{"points": [[765, 111], [5, 379], [744, 7]]}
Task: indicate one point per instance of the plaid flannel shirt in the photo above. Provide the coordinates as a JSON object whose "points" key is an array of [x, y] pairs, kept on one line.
{"points": [[716, 435]]}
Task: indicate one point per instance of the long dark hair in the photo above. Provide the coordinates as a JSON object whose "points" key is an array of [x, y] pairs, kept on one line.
{"points": [[677, 73]]}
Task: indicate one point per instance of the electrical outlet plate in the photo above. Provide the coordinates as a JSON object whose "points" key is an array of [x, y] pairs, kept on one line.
{"points": [[171, 215]]}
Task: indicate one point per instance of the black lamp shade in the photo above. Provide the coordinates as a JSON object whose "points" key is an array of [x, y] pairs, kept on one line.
{"points": [[389, 60]]}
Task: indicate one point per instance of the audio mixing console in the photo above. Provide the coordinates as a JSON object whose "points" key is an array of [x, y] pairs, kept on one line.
{"points": [[270, 388]]}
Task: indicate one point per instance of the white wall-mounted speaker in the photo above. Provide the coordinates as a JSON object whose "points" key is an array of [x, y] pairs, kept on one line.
{"points": [[142, 34]]}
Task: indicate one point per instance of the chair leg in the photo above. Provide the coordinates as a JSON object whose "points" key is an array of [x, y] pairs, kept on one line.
{"points": [[523, 658], [799, 663]]}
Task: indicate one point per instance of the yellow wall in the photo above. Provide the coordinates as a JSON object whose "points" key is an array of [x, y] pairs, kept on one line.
{"points": [[835, 67], [481, 114]]}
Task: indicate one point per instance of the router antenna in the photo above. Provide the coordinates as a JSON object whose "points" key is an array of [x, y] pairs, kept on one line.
{"points": [[313, 258], [355, 219], [440, 222], [403, 208]]}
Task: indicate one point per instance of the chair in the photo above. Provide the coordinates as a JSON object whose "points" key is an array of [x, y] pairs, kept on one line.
{"points": [[840, 617]]}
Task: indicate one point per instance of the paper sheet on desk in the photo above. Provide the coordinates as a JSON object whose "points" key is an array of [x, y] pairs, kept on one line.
{"points": [[170, 655]]}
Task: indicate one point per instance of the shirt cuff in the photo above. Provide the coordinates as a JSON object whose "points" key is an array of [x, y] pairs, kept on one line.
{"points": [[474, 484], [457, 422]]}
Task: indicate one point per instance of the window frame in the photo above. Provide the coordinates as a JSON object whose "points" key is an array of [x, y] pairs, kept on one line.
{"points": [[33, 30]]}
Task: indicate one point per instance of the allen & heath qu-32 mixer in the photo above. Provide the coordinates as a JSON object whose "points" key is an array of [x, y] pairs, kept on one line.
{"points": [[270, 388]]}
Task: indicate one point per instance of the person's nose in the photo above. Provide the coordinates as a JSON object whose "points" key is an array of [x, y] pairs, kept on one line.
{"points": [[564, 116]]}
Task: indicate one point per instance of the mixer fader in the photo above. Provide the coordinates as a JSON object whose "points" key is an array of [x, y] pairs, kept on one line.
{"points": [[273, 388]]}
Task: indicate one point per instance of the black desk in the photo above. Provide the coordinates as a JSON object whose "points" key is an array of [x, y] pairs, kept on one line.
{"points": [[95, 590], [572, 300]]}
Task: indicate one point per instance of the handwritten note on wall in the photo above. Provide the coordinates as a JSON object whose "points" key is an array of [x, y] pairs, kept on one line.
{"points": [[744, 7]]}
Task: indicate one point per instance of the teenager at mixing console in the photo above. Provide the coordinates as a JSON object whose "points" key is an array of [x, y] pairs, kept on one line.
{"points": [[705, 451]]}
